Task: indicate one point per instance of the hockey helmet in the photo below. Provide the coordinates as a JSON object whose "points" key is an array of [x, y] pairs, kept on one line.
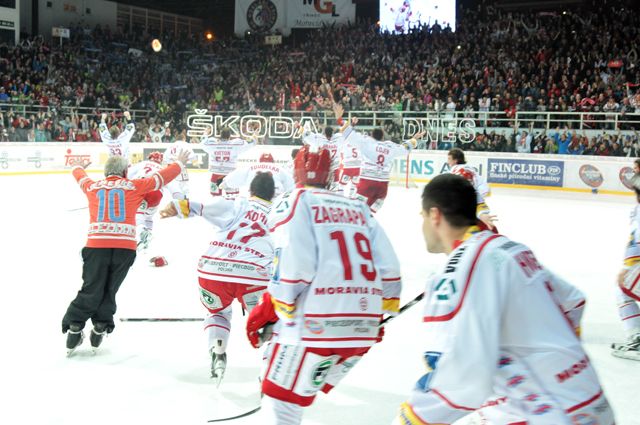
{"points": [[312, 167], [156, 157], [266, 157]]}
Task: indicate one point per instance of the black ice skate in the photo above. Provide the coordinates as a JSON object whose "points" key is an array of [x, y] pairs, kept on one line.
{"points": [[97, 335], [630, 350], [75, 336], [218, 366]]}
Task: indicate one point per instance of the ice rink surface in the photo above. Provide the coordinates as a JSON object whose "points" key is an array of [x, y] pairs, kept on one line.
{"points": [[158, 373]]}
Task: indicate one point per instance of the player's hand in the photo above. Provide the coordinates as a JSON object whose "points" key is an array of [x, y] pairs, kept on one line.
{"points": [[489, 220], [338, 110], [261, 317], [420, 135], [354, 121], [103, 116], [85, 164], [168, 211], [127, 115], [183, 156]]}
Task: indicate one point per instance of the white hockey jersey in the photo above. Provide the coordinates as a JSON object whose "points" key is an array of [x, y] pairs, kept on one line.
{"points": [[119, 146], [350, 156], [241, 250], [499, 335], [377, 156], [241, 178], [335, 272], [479, 184], [334, 145], [632, 252], [172, 152], [223, 154], [143, 169]]}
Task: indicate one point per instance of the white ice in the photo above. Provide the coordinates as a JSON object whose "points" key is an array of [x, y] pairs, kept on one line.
{"points": [[158, 373]]}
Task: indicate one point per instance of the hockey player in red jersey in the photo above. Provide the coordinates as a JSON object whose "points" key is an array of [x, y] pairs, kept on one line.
{"points": [[335, 274], [500, 343], [237, 262]]}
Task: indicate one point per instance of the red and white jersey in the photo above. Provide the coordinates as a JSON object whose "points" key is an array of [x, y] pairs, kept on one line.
{"points": [[241, 178], [471, 174], [377, 156], [223, 154], [143, 169], [632, 252], [350, 156], [172, 152], [334, 145], [119, 146], [334, 271], [493, 299], [241, 250]]}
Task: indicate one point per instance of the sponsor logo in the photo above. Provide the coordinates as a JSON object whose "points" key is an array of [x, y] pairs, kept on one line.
{"points": [[262, 15], [209, 299], [584, 419], [5, 160], [262, 271], [364, 304], [314, 326], [542, 409], [515, 380], [504, 361], [71, 159], [232, 254], [37, 159], [572, 371], [554, 170], [591, 176], [320, 372], [524, 171], [445, 289], [625, 174]]}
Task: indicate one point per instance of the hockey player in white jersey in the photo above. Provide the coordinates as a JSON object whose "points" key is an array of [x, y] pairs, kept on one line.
{"points": [[500, 344], [628, 290], [223, 156], [458, 165], [179, 187], [240, 178], [328, 140], [148, 208], [237, 262], [334, 275], [349, 172], [117, 142], [377, 160]]}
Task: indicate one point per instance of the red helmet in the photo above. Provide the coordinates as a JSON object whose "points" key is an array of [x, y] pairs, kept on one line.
{"points": [[266, 157], [312, 168], [156, 157]]}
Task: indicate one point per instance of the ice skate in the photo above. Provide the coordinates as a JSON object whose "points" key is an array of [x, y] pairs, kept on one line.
{"points": [[97, 335], [75, 336], [629, 350], [218, 366]]}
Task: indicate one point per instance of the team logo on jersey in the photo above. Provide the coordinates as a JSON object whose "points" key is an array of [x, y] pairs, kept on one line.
{"points": [[314, 326], [445, 289], [209, 299], [320, 372], [232, 254], [591, 176], [364, 304], [262, 15]]}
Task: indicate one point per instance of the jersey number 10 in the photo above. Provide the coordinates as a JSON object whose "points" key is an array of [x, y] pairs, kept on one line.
{"points": [[111, 202]]}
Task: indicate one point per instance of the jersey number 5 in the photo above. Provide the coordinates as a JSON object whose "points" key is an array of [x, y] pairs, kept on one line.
{"points": [[363, 246], [111, 202]]}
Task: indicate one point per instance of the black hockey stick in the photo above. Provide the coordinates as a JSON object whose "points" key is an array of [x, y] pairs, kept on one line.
{"points": [[404, 308], [242, 415], [161, 319]]}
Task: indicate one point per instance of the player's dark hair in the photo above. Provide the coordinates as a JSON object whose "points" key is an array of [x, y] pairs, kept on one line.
{"points": [[377, 134], [454, 196], [637, 162], [328, 132], [457, 155], [263, 186], [225, 133], [294, 152]]}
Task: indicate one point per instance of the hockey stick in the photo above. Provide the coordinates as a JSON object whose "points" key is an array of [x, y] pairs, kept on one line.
{"points": [[161, 319], [242, 415], [404, 308]]}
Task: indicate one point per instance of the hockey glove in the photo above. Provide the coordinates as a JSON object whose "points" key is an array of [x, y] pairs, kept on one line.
{"points": [[261, 316]]}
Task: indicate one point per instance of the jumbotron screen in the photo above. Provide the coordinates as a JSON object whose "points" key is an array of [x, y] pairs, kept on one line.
{"points": [[399, 16]]}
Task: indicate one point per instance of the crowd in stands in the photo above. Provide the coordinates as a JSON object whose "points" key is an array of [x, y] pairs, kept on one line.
{"points": [[498, 62]]}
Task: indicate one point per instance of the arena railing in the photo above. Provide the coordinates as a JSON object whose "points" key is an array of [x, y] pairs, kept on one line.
{"points": [[26, 110]]}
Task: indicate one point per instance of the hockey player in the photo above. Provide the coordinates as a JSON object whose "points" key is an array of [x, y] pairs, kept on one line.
{"points": [[377, 160], [179, 188], [459, 166], [111, 244], [332, 142], [223, 156], [628, 290], [149, 206], [349, 172], [335, 273], [500, 345], [237, 262], [117, 142], [240, 178]]}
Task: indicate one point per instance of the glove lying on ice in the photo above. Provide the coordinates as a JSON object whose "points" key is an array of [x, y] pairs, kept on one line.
{"points": [[260, 321]]}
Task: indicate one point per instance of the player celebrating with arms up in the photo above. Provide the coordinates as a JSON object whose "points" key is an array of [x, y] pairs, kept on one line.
{"points": [[335, 273], [499, 343], [117, 142]]}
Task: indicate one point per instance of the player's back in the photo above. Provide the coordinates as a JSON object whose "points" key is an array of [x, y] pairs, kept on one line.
{"points": [[143, 169], [334, 255], [223, 154]]}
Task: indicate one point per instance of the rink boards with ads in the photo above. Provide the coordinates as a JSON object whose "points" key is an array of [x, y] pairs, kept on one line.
{"points": [[606, 175]]}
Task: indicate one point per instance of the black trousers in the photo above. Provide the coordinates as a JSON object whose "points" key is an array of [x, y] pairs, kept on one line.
{"points": [[103, 272]]}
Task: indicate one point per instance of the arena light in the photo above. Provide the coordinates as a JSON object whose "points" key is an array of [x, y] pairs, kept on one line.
{"points": [[209, 35]]}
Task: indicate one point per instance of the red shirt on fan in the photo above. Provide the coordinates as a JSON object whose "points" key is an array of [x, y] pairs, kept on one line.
{"points": [[113, 203]]}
